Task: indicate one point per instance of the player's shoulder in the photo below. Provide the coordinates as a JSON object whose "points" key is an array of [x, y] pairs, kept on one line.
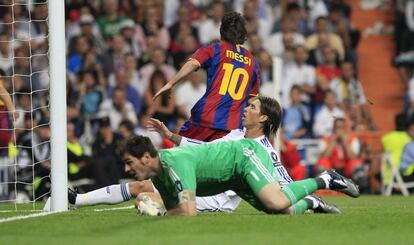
{"points": [[235, 134]]}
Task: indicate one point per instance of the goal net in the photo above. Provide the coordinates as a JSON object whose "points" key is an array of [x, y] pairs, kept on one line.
{"points": [[27, 76]]}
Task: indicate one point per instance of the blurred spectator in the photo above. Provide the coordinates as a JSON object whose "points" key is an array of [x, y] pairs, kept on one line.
{"points": [[110, 21], [342, 6], [335, 41], [131, 71], [299, 73], [298, 15], [315, 9], [188, 93], [288, 55], [407, 157], [183, 25], [253, 23], [34, 153], [142, 130], [186, 46], [350, 94], [325, 117], [126, 129], [158, 59], [79, 165], [114, 57], [90, 95], [266, 64], [22, 70], [274, 44], [349, 35], [163, 109], [326, 72], [153, 26], [76, 59], [408, 44], [6, 52], [117, 108], [128, 32], [316, 56], [122, 80], [339, 151], [209, 29], [87, 27], [410, 97], [291, 160], [255, 44], [393, 143], [108, 165], [296, 120]]}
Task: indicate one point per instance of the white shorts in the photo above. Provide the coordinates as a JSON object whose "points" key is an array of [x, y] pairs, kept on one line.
{"points": [[224, 202]]}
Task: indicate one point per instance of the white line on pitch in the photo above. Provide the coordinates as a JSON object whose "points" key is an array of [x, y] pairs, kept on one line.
{"points": [[20, 211], [26, 217], [110, 209]]}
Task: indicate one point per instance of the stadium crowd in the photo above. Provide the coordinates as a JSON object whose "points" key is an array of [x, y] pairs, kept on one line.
{"points": [[121, 52]]}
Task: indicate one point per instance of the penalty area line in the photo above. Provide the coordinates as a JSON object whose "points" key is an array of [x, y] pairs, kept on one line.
{"points": [[26, 216], [111, 209]]}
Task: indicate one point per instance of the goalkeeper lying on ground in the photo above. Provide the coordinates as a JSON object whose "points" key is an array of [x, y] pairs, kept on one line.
{"points": [[228, 201]]}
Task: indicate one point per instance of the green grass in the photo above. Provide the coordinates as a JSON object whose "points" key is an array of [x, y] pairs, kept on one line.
{"points": [[366, 220]]}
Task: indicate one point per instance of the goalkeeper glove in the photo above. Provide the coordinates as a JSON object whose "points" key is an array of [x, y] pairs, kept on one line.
{"points": [[150, 208]]}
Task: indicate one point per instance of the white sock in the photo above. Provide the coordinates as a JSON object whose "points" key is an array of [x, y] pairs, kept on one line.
{"points": [[112, 194]]}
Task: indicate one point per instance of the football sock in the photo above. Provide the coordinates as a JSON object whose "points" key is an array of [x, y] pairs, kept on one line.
{"points": [[112, 194], [301, 206], [299, 189]]}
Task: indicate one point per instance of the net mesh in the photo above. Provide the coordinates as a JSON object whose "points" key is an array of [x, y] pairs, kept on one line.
{"points": [[24, 132]]}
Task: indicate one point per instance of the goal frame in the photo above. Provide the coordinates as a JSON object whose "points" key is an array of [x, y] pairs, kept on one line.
{"points": [[57, 73]]}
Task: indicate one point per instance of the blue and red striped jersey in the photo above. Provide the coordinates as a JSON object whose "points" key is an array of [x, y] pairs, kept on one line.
{"points": [[232, 75]]}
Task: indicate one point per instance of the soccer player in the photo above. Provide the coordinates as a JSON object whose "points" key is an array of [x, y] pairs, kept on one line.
{"points": [[7, 110], [208, 169], [259, 119], [232, 75]]}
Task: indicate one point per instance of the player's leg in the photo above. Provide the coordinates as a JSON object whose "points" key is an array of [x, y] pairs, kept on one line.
{"points": [[261, 177], [112, 194]]}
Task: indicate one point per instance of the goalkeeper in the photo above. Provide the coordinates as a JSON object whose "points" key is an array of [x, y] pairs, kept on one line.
{"points": [[208, 169]]}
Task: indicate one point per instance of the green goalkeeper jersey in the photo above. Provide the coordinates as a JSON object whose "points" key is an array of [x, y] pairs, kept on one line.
{"points": [[243, 166]]}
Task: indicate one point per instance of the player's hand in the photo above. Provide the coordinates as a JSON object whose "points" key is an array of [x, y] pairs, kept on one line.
{"points": [[164, 90], [156, 125]]}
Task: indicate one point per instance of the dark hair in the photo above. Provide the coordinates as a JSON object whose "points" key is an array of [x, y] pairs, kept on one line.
{"points": [[270, 108], [400, 121], [233, 28], [137, 146], [338, 119], [292, 7], [127, 124]]}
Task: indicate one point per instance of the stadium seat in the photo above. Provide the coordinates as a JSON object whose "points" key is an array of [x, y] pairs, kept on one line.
{"points": [[395, 179]]}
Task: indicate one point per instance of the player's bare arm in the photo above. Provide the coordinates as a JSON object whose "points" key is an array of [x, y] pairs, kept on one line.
{"points": [[190, 66], [156, 125], [186, 206]]}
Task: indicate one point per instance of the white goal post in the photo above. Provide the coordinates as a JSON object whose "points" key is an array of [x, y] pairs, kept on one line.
{"points": [[57, 62]]}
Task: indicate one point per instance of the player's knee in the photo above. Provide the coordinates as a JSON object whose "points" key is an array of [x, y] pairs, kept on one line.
{"points": [[137, 187], [274, 206], [277, 203]]}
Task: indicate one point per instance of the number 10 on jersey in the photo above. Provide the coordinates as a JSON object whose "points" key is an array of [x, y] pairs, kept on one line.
{"points": [[230, 80]]}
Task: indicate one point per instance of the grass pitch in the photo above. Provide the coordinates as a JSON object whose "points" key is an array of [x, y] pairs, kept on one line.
{"points": [[366, 220]]}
